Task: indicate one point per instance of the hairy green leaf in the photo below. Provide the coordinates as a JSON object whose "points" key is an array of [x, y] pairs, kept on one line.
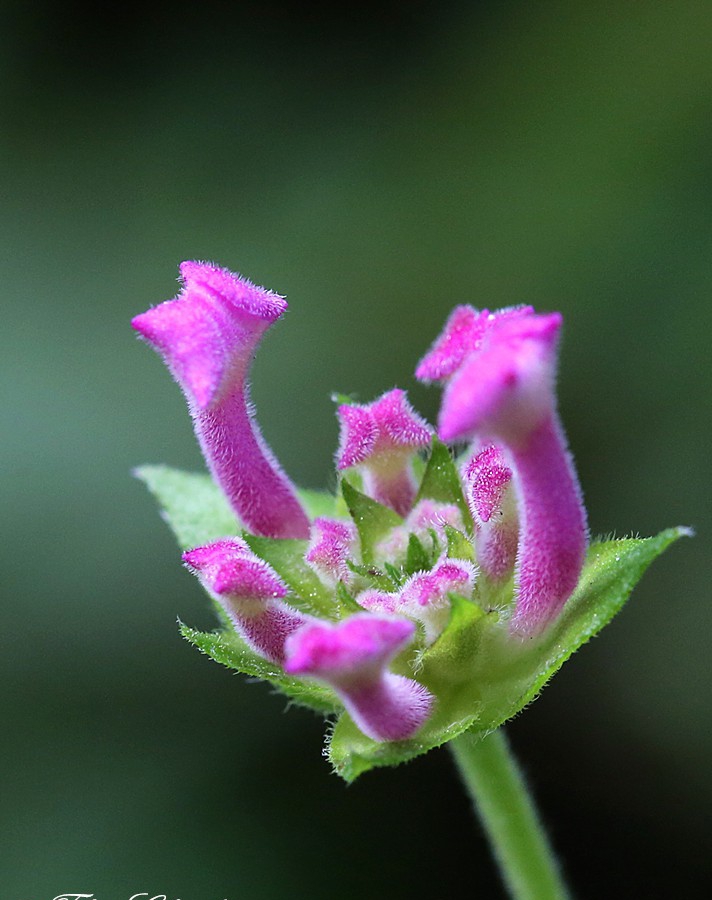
{"points": [[193, 506]]}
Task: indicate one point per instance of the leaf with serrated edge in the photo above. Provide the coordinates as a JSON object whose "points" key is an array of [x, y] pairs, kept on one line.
{"points": [[497, 675], [193, 506], [227, 649]]}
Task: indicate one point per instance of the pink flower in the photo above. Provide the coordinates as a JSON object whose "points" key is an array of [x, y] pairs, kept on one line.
{"points": [[353, 657], [501, 388], [207, 336], [250, 592], [424, 596], [381, 438], [332, 543]]}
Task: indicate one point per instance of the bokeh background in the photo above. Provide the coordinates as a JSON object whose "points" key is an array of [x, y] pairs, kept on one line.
{"points": [[376, 163]]}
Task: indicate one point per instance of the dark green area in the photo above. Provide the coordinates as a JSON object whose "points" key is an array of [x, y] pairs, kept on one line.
{"points": [[376, 165]]}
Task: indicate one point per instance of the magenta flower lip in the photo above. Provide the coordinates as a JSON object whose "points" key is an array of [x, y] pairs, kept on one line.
{"points": [[230, 567], [513, 369], [352, 657], [464, 333], [199, 332], [352, 646]]}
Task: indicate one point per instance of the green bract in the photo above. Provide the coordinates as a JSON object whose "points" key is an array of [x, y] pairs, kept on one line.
{"points": [[479, 673]]}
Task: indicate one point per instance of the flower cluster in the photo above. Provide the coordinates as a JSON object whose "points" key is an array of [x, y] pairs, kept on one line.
{"points": [[434, 593]]}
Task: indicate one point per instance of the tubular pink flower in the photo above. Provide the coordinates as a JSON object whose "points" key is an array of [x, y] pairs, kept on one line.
{"points": [[490, 495], [424, 596], [207, 336], [250, 592], [353, 657], [503, 391], [332, 543], [381, 438]]}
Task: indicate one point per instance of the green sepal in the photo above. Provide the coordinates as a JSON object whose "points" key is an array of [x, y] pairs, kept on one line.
{"points": [[373, 520], [375, 577], [482, 675], [346, 605], [417, 558], [441, 481], [459, 546], [397, 576], [193, 506], [286, 556], [229, 650]]}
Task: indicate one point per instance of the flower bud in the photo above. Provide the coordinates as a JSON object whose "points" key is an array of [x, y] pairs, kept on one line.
{"points": [[332, 543], [490, 495], [381, 439]]}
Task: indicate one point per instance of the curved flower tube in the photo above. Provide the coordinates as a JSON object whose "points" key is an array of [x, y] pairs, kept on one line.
{"points": [[353, 657], [207, 336], [503, 391], [250, 592]]}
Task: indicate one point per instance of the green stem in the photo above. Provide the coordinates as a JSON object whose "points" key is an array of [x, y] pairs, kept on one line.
{"points": [[501, 799]]}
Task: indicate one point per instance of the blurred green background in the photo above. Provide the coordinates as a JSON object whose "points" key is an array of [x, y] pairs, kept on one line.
{"points": [[376, 163]]}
